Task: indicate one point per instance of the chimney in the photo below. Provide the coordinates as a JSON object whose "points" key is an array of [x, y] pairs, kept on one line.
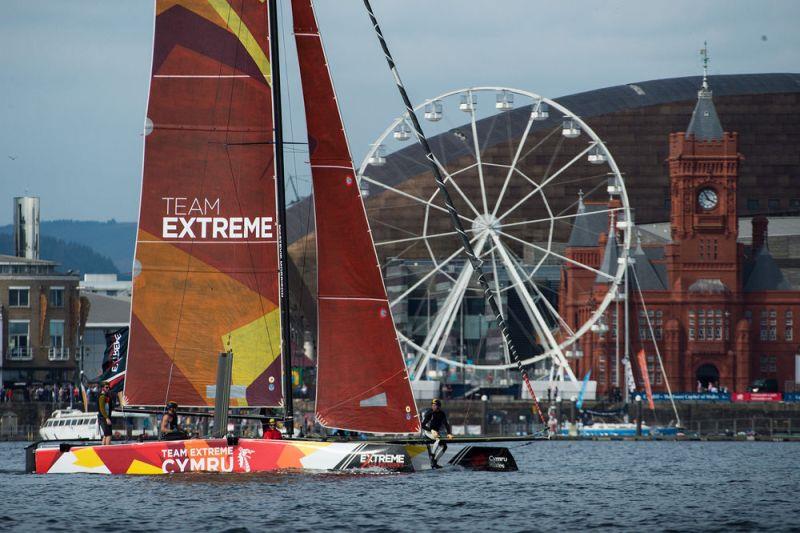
{"points": [[760, 223], [26, 227]]}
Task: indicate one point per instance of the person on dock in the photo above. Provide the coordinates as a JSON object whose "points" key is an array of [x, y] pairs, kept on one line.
{"points": [[105, 404], [271, 431], [170, 430], [433, 423]]}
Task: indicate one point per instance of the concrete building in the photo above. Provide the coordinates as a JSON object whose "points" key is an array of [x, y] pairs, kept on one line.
{"points": [[719, 311], [107, 285], [39, 326]]}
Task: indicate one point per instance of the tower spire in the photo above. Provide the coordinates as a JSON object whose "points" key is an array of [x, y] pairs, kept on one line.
{"points": [[704, 55], [705, 125]]}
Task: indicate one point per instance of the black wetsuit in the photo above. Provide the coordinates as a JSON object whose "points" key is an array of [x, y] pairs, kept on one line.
{"points": [[174, 432], [105, 404], [436, 420]]}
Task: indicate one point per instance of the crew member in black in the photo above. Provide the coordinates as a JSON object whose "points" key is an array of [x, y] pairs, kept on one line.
{"points": [[105, 404], [169, 424], [433, 423]]}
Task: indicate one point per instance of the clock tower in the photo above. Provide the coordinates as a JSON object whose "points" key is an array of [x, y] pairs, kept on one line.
{"points": [[703, 167]]}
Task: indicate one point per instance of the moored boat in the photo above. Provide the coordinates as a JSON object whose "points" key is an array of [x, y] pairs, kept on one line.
{"points": [[72, 424]]}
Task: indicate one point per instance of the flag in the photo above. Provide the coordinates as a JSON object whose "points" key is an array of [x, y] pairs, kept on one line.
{"points": [[579, 403], [630, 382], [646, 379], [115, 359]]}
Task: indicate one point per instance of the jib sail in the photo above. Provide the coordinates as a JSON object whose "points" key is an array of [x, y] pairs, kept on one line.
{"points": [[205, 273], [362, 382]]}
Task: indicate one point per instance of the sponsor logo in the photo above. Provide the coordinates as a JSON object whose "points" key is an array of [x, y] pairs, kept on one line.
{"points": [[243, 458], [210, 459], [382, 460], [116, 352], [496, 461], [199, 218]]}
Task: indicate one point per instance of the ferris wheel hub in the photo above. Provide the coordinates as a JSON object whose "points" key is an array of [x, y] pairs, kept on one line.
{"points": [[486, 223]]}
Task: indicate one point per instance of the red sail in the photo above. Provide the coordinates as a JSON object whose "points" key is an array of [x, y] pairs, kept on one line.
{"points": [[205, 277], [362, 382]]}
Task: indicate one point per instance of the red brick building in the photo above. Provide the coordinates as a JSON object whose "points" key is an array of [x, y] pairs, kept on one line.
{"points": [[719, 312]]}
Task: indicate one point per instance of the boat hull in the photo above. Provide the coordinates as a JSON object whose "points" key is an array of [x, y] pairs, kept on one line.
{"points": [[255, 455], [222, 455]]}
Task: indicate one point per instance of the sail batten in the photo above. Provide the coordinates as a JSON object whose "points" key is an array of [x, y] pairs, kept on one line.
{"points": [[205, 273], [362, 381]]}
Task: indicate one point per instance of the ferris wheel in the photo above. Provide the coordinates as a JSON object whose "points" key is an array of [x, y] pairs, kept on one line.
{"points": [[523, 171]]}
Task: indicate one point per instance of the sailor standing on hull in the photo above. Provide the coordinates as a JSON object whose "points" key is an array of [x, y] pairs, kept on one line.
{"points": [[433, 423]]}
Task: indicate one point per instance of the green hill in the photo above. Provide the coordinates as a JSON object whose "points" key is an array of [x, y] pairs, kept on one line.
{"points": [[111, 240], [70, 255]]}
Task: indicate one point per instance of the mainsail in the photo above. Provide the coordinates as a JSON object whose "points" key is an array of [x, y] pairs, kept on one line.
{"points": [[205, 273], [362, 381]]}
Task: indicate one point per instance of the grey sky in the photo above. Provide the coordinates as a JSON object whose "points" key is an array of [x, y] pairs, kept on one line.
{"points": [[74, 74]]}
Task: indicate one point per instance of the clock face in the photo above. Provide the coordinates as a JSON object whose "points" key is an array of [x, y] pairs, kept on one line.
{"points": [[707, 198]]}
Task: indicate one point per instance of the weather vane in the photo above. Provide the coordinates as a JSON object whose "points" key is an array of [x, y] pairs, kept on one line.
{"points": [[704, 55]]}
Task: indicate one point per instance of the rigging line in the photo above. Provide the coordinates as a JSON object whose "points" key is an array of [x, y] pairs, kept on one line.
{"points": [[476, 262], [655, 344], [287, 79]]}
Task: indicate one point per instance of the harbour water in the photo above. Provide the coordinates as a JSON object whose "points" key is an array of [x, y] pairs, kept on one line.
{"points": [[635, 486]]}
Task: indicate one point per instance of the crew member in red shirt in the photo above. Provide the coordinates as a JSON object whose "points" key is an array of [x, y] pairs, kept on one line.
{"points": [[271, 431]]}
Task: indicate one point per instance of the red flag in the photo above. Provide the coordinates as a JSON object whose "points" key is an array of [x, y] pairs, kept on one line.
{"points": [[646, 379]]}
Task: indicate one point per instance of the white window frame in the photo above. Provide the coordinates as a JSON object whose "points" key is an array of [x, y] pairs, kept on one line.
{"points": [[57, 353], [63, 295], [19, 288], [27, 353]]}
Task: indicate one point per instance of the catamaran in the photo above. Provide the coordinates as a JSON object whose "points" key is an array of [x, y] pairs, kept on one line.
{"points": [[210, 273]]}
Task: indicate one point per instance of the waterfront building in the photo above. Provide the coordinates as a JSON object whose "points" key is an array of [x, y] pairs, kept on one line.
{"points": [[40, 310], [720, 312]]}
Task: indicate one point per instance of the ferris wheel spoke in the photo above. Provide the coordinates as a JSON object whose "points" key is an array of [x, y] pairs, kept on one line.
{"points": [[541, 296], [420, 238], [541, 142], [443, 324], [546, 181], [437, 268], [513, 165], [554, 254], [412, 197], [499, 299], [560, 217], [449, 178], [474, 126]]}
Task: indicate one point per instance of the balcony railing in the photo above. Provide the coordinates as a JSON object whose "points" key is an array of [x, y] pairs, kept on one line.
{"points": [[20, 354], [55, 353]]}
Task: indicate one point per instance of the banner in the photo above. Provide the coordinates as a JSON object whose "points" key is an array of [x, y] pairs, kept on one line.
{"points": [[579, 403], [757, 397], [791, 397], [693, 396], [115, 359], [629, 380], [646, 379]]}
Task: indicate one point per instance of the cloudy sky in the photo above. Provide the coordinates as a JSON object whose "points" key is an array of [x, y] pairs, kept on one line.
{"points": [[74, 74]]}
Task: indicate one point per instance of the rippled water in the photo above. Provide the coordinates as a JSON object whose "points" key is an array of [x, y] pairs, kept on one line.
{"points": [[560, 486]]}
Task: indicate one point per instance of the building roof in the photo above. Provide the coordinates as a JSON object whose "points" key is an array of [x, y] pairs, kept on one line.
{"points": [[765, 274], [705, 125], [13, 259], [409, 161], [590, 222], [610, 257], [646, 274], [106, 311]]}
